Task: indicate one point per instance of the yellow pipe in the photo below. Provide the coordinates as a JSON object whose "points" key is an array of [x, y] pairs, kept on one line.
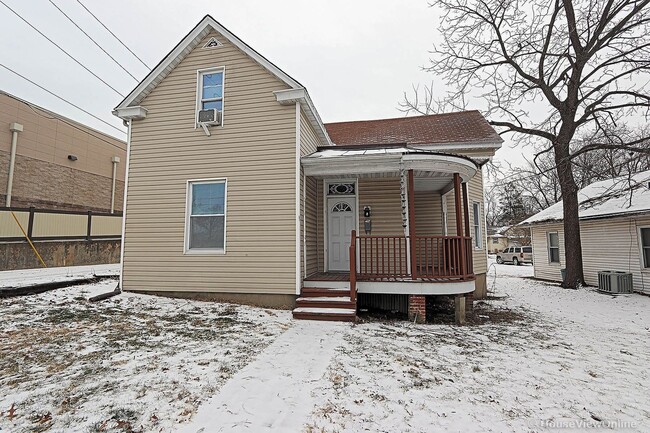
{"points": [[28, 240]]}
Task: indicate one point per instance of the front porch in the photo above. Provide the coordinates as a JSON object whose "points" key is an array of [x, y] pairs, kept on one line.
{"points": [[404, 202]]}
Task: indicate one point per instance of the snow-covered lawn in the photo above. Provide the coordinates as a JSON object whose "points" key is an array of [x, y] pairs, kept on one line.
{"points": [[130, 363], [542, 358]]}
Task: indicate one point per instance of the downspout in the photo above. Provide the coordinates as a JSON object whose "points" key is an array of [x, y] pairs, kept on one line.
{"points": [[15, 128], [115, 160]]}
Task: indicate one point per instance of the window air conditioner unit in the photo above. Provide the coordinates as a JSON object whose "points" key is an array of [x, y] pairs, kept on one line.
{"points": [[209, 117], [615, 282]]}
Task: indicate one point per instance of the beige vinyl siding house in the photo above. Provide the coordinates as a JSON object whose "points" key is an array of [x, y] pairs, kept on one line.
{"points": [[167, 151], [610, 233], [260, 204]]}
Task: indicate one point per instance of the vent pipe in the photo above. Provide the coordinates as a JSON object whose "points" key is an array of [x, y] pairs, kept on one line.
{"points": [[15, 128]]}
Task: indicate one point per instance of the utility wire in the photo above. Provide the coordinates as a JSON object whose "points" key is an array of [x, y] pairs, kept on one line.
{"points": [[59, 47], [61, 98], [94, 41], [113, 34]]}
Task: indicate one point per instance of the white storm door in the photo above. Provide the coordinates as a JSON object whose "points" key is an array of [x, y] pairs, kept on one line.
{"points": [[340, 223]]}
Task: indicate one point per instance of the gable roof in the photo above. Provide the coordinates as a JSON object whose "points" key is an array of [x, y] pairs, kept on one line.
{"points": [[442, 130], [191, 41], [605, 199]]}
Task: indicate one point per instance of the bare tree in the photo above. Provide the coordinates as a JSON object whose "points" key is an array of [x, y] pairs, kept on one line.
{"points": [[584, 63]]}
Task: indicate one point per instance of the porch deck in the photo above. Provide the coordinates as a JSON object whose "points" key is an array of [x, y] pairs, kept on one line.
{"points": [[345, 277]]}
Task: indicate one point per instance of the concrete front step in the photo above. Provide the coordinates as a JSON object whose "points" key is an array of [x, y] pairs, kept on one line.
{"points": [[329, 314]]}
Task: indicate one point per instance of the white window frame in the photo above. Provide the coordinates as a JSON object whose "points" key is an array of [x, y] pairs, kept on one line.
{"points": [[645, 267], [548, 247], [188, 210], [199, 92], [478, 227]]}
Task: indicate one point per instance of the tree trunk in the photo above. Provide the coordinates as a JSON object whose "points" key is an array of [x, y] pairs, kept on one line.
{"points": [[574, 276]]}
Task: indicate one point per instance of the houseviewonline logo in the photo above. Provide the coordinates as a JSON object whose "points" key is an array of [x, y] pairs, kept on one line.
{"points": [[567, 423]]}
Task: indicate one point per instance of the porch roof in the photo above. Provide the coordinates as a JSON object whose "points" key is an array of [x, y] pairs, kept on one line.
{"points": [[383, 161]]}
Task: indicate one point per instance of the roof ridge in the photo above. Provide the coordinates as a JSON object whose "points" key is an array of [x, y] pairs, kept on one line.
{"points": [[404, 117]]}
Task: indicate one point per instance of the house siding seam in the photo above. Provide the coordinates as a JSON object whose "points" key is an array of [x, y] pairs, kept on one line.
{"points": [[255, 150], [623, 254]]}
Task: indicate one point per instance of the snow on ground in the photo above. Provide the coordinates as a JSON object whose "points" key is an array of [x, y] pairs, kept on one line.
{"points": [[130, 363], [535, 358], [48, 275], [560, 359]]}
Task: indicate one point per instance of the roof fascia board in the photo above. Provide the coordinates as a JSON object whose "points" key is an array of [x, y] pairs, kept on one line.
{"points": [[387, 163], [182, 46]]}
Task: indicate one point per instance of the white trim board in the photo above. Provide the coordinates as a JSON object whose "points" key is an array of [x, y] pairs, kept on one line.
{"points": [[297, 200], [415, 288], [126, 189]]}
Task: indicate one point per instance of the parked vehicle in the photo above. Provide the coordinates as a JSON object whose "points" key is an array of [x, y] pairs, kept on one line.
{"points": [[516, 255]]}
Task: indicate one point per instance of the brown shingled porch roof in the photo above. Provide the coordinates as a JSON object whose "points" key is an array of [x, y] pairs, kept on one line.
{"points": [[450, 128]]}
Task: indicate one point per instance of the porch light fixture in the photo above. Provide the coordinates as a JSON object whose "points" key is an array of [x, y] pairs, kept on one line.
{"points": [[72, 157]]}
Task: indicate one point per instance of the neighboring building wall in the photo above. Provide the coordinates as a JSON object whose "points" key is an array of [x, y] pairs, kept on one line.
{"points": [[44, 177], [19, 255], [607, 244], [255, 150], [497, 244]]}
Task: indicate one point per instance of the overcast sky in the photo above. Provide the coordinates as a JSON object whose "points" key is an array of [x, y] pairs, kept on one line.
{"points": [[355, 57]]}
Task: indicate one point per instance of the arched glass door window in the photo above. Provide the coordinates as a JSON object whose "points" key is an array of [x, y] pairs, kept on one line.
{"points": [[341, 207]]}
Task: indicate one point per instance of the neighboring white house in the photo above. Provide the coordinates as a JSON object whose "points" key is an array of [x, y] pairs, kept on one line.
{"points": [[614, 227]]}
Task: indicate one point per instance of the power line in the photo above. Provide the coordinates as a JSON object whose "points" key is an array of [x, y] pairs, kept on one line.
{"points": [[113, 34], [94, 41], [61, 98], [59, 47]]}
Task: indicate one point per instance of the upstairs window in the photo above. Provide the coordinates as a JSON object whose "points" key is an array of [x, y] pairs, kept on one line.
{"points": [[210, 89]]}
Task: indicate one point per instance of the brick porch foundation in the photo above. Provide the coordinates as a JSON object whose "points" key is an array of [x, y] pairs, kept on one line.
{"points": [[418, 308]]}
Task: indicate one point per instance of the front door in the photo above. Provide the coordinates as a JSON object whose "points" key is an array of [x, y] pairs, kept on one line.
{"points": [[340, 223]]}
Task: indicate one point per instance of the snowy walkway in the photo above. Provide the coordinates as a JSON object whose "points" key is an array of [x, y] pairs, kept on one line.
{"points": [[274, 392], [25, 277]]}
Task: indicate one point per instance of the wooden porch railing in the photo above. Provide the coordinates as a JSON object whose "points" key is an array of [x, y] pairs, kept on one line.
{"points": [[375, 258]]}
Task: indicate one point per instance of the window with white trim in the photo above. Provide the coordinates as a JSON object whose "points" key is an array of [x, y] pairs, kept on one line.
{"points": [[478, 235], [206, 216], [553, 247], [210, 90], [645, 245]]}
